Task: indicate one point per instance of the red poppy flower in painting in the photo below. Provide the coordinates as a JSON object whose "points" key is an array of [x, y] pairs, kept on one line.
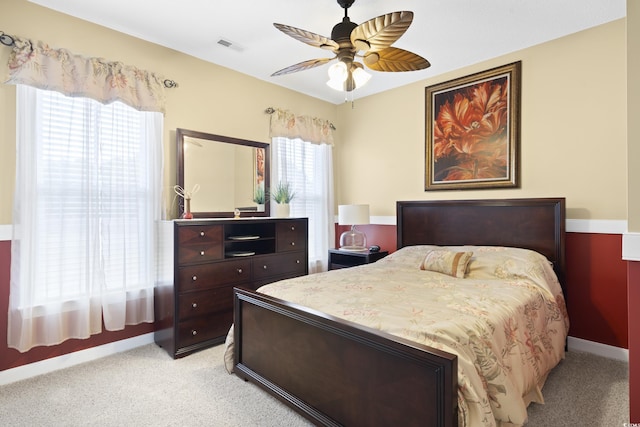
{"points": [[470, 132]]}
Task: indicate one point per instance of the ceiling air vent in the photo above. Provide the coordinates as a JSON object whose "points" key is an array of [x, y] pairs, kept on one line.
{"points": [[231, 45]]}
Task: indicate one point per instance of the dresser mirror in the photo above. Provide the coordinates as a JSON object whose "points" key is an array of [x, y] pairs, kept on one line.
{"points": [[227, 173]]}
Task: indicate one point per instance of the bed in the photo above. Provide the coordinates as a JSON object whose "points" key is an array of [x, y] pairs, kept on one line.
{"points": [[354, 360]]}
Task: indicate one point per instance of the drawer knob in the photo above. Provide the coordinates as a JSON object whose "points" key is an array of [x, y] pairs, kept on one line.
{"points": [[194, 305], [293, 228], [239, 271], [297, 261], [201, 253], [202, 234], [194, 278], [194, 332], [293, 243], [264, 267]]}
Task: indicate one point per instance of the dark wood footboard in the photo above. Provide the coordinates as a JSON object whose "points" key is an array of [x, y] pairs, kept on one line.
{"points": [[335, 372]]}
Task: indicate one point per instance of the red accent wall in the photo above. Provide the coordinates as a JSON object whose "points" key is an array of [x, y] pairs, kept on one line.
{"points": [[597, 288], [10, 358], [596, 298], [633, 278]]}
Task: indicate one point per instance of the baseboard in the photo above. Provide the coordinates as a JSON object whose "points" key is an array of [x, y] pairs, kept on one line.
{"points": [[604, 350], [67, 360]]}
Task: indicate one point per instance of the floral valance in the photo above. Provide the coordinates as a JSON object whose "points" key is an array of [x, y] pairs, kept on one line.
{"points": [[34, 63], [310, 129]]}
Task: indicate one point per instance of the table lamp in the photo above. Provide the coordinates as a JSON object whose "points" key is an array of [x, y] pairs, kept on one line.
{"points": [[354, 239]]}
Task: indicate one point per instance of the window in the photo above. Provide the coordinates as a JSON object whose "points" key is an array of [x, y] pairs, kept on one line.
{"points": [[308, 168], [88, 185]]}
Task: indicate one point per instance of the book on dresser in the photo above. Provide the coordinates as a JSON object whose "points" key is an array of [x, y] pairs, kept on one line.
{"points": [[213, 256]]}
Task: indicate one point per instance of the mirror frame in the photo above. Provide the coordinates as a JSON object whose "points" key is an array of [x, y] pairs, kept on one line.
{"points": [[182, 133]]}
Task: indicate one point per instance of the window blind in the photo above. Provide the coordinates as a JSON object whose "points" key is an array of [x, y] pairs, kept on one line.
{"points": [[92, 192]]}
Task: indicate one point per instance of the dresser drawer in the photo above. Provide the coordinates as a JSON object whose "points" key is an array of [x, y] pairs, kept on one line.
{"points": [[199, 243], [279, 264], [202, 328], [192, 304], [291, 236], [213, 275]]}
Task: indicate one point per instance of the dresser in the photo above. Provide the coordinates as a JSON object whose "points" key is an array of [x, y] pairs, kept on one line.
{"points": [[211, 257]]}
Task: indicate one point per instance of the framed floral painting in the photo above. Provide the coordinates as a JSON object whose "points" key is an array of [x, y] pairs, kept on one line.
{"points": [[472, 131]]}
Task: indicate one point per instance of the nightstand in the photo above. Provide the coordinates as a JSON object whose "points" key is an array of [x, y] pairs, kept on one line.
{"points": [[344, 259]]}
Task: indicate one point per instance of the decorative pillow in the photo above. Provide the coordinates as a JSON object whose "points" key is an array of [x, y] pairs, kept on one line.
{"points": [[447, 262]]}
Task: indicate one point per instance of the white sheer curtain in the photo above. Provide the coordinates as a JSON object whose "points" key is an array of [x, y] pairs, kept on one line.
{"points": [[87, 201], [308, 168], [87, 197]]}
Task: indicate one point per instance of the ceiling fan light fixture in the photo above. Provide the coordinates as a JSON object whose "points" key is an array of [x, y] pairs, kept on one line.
{"points": [[343, 79], [338, 74], [336, 84], [338, 71], [360, 76]]}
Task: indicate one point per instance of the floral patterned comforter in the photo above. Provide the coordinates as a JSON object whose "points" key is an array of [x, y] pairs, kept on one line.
{"points": [[505, 320]]}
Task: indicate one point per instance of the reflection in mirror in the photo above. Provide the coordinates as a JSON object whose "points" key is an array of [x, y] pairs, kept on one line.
{"points": [[230, 172]]}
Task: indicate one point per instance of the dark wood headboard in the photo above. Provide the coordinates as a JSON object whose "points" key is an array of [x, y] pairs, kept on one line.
{"points": [[537, 224]]}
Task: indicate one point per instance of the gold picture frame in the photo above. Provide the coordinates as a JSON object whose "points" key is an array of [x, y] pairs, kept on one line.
{"points": [[259, 170], [473, 131]]}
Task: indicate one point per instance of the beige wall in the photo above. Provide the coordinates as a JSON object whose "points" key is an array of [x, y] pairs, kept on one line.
{"points": [[573, 127], [633, 112], [573, 131], [210, 98]]}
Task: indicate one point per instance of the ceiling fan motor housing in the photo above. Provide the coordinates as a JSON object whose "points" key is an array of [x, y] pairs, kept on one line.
{"points": [[341, 32], [345, 4]]}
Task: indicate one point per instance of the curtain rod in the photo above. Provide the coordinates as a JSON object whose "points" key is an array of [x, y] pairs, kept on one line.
{"points": [[271, 110], [8, 40]]}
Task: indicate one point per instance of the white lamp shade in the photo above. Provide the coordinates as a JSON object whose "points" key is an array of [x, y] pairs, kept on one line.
{"points": [[361, 77], [353, 214], [338, 71], [336, 84]]}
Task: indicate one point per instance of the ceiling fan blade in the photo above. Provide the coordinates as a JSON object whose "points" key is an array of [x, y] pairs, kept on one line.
{"points": [[393, 59], [308, 37], [305, 65], [380, 32]]}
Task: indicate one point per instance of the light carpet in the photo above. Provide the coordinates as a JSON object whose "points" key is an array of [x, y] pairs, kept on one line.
{"points": [[146, 387]]}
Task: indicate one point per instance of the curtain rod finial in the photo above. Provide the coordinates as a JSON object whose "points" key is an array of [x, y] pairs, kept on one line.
{"points": [[6, 39], [170, 84]]}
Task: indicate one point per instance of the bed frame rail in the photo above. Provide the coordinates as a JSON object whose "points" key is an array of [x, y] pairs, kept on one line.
{"points": [[335, 372]]}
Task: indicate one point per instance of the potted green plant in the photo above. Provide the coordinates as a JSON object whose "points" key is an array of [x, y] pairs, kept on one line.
{"points": [[282, 195], [259, 197]]}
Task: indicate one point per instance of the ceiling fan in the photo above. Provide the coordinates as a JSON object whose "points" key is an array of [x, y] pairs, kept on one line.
{"points": [[370, 41]]}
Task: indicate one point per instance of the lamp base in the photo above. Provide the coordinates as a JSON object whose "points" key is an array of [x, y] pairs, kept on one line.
{"points": [[353, 240]]}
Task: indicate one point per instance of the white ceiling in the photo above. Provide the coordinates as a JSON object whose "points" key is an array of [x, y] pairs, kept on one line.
{"points": [[449, 33]]}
